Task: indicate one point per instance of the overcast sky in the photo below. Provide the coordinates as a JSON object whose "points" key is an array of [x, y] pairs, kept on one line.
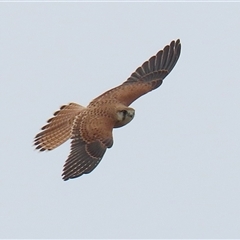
{"points": [[173, 172]]}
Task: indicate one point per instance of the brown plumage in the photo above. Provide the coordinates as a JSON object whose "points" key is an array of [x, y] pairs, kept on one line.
{"points": [[91, 128]]}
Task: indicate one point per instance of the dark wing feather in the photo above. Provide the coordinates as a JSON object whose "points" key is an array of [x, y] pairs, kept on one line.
{"points": [[147, 77], [87, 147], [158, 66], [83, 158]]}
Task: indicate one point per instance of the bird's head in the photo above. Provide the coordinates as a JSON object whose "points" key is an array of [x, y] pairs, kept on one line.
{"points": [[124, 116]]}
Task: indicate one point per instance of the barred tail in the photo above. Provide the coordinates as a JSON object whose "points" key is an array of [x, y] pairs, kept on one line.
{"points": [[58, 128]]}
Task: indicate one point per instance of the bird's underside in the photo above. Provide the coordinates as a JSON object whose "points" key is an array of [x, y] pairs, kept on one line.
{"points": [[90, 128]]}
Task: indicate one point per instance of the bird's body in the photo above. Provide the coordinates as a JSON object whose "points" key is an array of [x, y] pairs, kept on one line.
{"points": [[91, 128]]}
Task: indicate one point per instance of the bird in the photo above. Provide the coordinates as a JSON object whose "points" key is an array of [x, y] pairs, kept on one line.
{"points": [[90, 128]]}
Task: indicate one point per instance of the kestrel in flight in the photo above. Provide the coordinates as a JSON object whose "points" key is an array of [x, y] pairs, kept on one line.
{"points": [[90, 128]]}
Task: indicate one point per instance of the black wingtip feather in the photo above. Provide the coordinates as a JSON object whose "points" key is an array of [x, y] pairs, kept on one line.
{"points": [[158, 66]]}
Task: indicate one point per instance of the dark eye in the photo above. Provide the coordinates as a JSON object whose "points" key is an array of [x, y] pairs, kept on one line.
{"points": [[124, 112]]}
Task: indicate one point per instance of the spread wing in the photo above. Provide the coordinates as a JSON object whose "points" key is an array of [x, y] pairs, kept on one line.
{"points": [[147, 77], [58, 129], [92, 135]]}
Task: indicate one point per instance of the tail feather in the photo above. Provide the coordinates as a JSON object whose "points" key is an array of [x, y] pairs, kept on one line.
{"points": [[58, 128]]}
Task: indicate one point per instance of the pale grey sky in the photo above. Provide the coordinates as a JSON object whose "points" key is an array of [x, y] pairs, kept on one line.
{"points": [[173, 172]]}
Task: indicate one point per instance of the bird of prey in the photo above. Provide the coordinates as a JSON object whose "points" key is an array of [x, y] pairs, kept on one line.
{"points": [[90, 128]]}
